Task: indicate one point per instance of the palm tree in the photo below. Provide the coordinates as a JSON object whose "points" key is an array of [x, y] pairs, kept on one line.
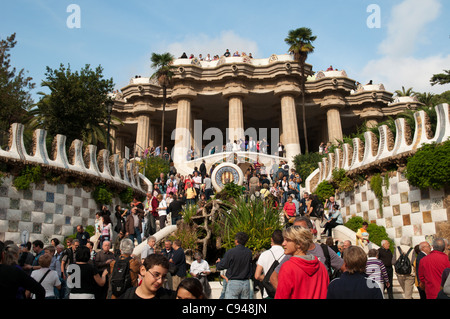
{"points": [[425, 98], [300, 42], [164, 73], [403, 92]]}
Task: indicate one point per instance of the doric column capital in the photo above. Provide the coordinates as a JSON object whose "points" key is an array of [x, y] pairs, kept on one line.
{"points": [[179, 93], [287, 89]]}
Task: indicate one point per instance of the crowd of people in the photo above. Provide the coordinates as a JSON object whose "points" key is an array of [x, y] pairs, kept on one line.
{"points": [[299, 265], [209, 58]]}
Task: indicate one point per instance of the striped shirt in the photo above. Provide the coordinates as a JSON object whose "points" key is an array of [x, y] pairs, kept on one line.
{"points": [[375, 270]]}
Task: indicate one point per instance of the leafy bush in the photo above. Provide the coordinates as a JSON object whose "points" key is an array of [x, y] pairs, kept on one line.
{"points": [[429, 167], [254, 217], [30, 174], [376, 233], [102, 195], [376, 184], [341, 181], [126, 196], [325, 190], [305, 164], [152, 167]]}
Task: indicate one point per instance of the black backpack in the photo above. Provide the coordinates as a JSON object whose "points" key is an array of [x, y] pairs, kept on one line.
{"points": [[318, 210], [403, 264], [120, 277], [270, 290], [332, 273]]}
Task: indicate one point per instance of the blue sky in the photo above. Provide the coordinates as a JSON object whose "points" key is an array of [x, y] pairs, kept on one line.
{"points": [[410, 45]]}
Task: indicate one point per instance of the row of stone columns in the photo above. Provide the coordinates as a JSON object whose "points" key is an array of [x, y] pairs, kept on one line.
{"points": [[183, 137]]}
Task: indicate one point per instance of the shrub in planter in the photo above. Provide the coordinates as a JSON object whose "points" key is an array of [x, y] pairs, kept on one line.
{"points": [[429, 167]]}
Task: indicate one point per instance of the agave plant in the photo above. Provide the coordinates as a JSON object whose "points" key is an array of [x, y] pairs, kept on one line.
{"points": [[256, 217]]}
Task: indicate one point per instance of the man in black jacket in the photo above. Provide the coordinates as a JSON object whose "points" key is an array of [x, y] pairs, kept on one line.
{"points": [[238, 262], [175, 207], [425, 249], [386, 256]]}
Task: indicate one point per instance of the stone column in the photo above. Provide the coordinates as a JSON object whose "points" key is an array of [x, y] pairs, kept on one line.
{"points": [[235, 92], [143, 133], [153, 137], [182, 134], [290, 126], [236, 118], [334, 125]]}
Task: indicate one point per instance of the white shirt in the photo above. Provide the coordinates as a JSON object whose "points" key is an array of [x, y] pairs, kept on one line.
{"points": [[266, 259], [49, 282], [198, 267], [197, 180], [162, 204]]}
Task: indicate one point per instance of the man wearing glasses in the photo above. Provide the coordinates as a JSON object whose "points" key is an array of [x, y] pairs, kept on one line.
{"points": [[153, 272]]}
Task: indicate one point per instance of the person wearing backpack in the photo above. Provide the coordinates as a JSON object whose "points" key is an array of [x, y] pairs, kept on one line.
{"points": [[124, 270], [404, 256], [267, 262]]}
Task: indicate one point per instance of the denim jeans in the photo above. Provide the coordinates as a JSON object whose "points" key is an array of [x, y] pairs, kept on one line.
{"points": [[136, 235], [238, 289], [150, 226]]}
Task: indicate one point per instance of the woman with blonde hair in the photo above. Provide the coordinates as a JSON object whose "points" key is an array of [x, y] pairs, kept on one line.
{"points": [[303, 276]]}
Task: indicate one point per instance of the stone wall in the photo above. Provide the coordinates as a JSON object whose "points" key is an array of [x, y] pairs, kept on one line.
{"points": [[407, 210], [49, 210], [45, 211]]}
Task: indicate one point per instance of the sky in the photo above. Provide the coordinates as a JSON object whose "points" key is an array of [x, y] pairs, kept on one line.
{"points": [[393, 42]]}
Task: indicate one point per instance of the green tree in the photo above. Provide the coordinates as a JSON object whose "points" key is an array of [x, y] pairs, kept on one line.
{"points": [[75, 106], [15, 86], [164, 73], [404, 92], [441, 78], [300, 43]]}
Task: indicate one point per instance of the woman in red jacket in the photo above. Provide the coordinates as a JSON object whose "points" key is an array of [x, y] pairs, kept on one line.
{"points": [[303, 276], [289, 210]]}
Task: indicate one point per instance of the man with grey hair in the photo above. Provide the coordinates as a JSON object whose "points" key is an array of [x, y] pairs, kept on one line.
{"points": [[149, 248], [386, 256], [406, 281], [126, 251], [431, 268]]}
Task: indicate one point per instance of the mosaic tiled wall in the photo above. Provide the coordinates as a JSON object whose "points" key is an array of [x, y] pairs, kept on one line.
{"points": [[45, 211], [407, 210]]}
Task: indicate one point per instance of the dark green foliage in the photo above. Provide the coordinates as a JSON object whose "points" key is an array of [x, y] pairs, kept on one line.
{"points": [[30, 174], [305, 164], [230, 190], [126, 196], [75, 106], [15, 98], [325, 190], [429, 167], [341, 181], [376, 233], [153, 166], [102, 195], [254, 217]]}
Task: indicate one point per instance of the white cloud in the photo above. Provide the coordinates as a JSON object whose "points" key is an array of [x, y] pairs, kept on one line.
{"points": [[397, 65], [407, 26], [216, 45], [395, 72]]}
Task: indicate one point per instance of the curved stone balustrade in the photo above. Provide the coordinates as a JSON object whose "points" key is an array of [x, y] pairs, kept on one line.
{"points": [[109, 168], [370, 153], [187, 167], [230, 60]]}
